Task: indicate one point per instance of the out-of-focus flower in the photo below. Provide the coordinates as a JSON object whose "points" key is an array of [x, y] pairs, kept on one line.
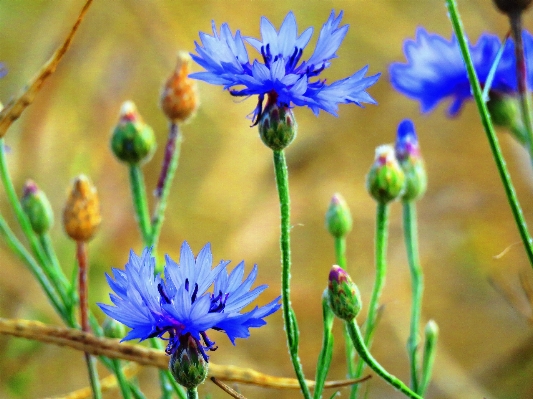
{"points": [[3, 70], [281, 76], [435, 69], [180, 306]]}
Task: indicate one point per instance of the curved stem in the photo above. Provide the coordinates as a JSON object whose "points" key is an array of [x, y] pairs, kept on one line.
{"points": [[362, 349], [417, 287], [489, 130], [291, 327], [326, 352], [140, 202]]}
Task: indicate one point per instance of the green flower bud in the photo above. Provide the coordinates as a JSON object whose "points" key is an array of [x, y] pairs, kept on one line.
{"points": [[277, 125], [113, 329], [37, 207], [133, 141], [187, 364], [385, 180], [431, 331], [411, 162], [505, 112], [343, 295], [338, 217]]}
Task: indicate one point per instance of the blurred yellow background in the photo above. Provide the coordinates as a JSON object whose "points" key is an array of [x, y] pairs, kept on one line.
{"points": [[224, 191]]}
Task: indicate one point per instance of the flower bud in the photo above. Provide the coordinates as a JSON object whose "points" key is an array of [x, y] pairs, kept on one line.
{"points": [[81, 215], [37, 207], [505, 112], [133, 141], [431, 332], [277, 125], [179, 98], [512, 6], [187, 364], [411, 162], [385, 180], [338, 217], [343, 295], [113, 329]]}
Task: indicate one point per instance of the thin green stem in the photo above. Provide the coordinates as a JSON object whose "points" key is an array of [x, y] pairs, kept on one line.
{"points": [[168, 169], [417, 287], [362, 349], [489, 130], [326, 352], [291, 327], [140, 202], [192, 393], [340, 251], [121, 379]]}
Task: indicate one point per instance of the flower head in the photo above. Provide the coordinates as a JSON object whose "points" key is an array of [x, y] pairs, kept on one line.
{"points": [[181, 306], [282, 76], [3, 70], [435, 69]]}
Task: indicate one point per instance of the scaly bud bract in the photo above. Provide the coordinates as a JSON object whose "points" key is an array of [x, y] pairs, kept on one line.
{"points": [[187, 364], [411, 162], [277, 125], [132, 141], [338, 217], [385, 181], [113, 329], [81, 215], [179, 98], [343, 295], [37, 207]]}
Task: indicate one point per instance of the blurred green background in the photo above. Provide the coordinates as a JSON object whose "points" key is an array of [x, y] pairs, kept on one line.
{"points": [[224, 191]]}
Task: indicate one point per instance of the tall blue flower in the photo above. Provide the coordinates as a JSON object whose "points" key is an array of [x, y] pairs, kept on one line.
{"points": [[435, 69], [281, 76], [181, 305]]}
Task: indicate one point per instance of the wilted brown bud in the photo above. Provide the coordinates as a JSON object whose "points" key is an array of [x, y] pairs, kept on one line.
{"points": [[179, 99], [512, 6], [81, 215]]}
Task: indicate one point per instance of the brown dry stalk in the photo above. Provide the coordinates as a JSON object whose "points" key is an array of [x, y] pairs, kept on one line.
{"points": [[112, 348], [14, 108]]}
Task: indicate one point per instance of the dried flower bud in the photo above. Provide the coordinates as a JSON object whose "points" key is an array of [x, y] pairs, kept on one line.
{"points": [[133, 141], [187, 364], [179, 99], [410, 159], [343, 294], [385, 180], [37, 207], [512, 6], [81, 215], [338, 217]]}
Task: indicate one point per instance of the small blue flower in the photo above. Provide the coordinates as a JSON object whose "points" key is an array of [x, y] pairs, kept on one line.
{"points": [[281, 75], [435, 69], [181, 305], [3, 70]]}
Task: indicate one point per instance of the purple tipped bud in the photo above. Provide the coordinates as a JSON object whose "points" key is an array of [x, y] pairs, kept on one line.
{"points": [[338, 217], [411, 162], [37, 207], [277, 126], [187, 364], [343, 295], [385, 180]]}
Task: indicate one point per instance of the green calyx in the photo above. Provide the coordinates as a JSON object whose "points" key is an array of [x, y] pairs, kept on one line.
{"points": [[505, 112], [187, 365], [277, 126], [338, 217], [113, 329], [37, 207], [415, 179], [343, 295], [133, 141], [386, 180]]}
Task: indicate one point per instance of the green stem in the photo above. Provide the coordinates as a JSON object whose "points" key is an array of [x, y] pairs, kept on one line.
{"points": [[168, 169], [340, 251], [192, 393], [326, 352], [417, 287], [362, 349], [489, 130], [121, 379], [291, 327], [140, 202]]}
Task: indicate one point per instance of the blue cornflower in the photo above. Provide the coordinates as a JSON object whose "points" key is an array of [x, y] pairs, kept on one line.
{"points": [[435, 69], [281, 75], [3, 70], [181, 306]]}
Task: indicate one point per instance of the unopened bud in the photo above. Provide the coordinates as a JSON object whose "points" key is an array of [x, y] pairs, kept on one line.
{"points": [[338, 217], [505, 112], [179, 99], [37, 207], [385, 180], [411, 162], [113, 329], [277, 125], [81, 215], [187, 364], [512, 6], [343, 294], [133, 141]]}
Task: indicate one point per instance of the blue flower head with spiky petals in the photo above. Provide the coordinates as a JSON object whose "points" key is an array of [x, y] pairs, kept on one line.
{"points": [[281, 76], [435, 69], [181, 305]]}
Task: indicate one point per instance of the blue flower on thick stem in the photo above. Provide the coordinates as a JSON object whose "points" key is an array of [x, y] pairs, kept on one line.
{"points": [[181, 305], [282, 76], [435, 69]]}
